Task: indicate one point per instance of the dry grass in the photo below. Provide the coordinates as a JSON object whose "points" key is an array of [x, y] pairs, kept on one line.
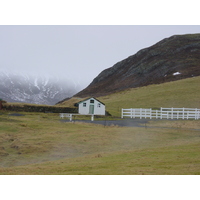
{"points": [[71, 102], [22, 104], [41, 144], [179, 124]]}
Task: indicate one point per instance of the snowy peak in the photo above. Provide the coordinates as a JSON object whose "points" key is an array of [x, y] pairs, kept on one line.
{"points": [[18, 87]]}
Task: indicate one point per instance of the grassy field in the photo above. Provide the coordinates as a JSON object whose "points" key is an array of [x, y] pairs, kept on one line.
{"points": [[182, 93], [38, 143]]}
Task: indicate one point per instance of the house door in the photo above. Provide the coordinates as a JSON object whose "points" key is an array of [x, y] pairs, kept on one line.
{"points": [[91, 110]]}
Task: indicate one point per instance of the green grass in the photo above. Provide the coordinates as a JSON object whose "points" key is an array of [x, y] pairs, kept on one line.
{"points": [[40, 144], [182, 93]]}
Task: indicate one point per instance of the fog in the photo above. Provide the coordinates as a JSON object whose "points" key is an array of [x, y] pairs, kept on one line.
{"points": [[77, 52]]}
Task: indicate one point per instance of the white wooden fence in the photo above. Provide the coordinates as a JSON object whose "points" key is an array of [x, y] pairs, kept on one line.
{"points": [[70, 116], [163, 113], [63, 115]]}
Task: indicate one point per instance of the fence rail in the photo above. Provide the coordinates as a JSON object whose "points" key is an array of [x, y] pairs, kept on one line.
{"points": [[163, 113], [70, 116]]}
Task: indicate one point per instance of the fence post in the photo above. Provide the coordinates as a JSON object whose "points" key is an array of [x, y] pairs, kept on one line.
{"points": [[150, 113], [161, 113], [172, 113], [195, 114], [70, 117], [169, 113]]}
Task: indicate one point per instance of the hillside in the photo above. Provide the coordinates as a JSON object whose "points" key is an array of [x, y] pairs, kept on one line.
{"points": [[181, 93], [171, 59]]}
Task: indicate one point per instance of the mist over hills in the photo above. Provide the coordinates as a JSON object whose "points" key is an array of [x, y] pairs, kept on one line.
{"points": [[173, 58], [26, 88]]}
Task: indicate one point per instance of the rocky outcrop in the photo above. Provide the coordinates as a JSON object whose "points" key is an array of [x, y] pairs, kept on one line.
{"points": [[171, 59]]}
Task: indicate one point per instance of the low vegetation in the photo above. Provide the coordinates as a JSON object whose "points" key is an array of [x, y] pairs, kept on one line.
{"points": [[39, 143], [181, 93], [178, 94], [25, 107]]}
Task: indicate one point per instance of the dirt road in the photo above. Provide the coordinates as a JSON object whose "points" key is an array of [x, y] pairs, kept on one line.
{"points": [[122, 122]]}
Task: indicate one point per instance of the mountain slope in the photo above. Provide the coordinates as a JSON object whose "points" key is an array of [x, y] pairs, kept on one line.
{"points": [[180, 93], [171, 59], [15, 87]]}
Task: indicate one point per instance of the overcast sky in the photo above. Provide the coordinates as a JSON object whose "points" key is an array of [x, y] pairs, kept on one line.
{"points": [[77, 52], [82, 52]]}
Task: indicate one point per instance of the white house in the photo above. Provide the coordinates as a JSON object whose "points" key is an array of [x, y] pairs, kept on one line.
{"points": [[91, 106]]}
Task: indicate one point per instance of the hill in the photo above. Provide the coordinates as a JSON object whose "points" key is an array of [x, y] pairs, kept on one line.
{"points": [[171, 59], [181, 93]]}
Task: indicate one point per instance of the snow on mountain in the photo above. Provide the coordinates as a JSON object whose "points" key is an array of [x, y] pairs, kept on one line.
{"points": [[19, 87]]}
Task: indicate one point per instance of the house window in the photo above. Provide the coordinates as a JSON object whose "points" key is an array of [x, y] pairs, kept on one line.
{"points": [[92, 101], [99, 105], [84, 104]]}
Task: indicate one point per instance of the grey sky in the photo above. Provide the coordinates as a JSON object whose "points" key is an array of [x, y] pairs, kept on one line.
{"points": [[77, 52]]}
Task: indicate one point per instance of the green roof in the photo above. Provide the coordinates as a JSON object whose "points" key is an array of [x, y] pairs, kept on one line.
{"points": [[90, 98]]}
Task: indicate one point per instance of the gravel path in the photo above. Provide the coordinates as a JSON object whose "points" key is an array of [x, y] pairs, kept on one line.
{"points": [[128, 123], [123, 122], [16, 114]]}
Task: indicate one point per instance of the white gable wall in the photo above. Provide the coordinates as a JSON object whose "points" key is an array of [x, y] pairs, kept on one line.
{"points": [[96, 108]]}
